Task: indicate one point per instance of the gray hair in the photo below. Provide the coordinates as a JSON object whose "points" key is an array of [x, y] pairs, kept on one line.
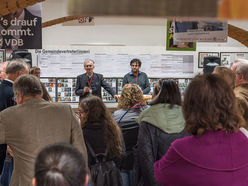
{"points": [[16, 65], [242, 69], [87, 60], [27, 85]]}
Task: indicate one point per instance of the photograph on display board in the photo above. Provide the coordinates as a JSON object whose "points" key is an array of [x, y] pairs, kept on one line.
{"points": [[171, 44], [202, 55], [2, 56], [227, 58], [200, 31], [21, 29]]}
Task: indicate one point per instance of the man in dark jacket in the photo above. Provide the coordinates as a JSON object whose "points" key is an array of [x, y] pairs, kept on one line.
{"points": [[14, 69], [91, 83]]}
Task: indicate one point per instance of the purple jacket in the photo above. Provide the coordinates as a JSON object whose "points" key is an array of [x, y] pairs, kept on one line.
{"points": [[214, 158]]}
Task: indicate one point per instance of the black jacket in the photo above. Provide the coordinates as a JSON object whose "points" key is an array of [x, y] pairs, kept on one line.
{"points": [[93, 134], [96, 84], [6, 100], [153, 143]]}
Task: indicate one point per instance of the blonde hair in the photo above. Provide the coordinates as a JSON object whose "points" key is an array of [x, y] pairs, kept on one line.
{"points": [[131, 94]]}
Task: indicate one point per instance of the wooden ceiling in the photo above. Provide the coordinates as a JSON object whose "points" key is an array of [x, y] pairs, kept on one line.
{"points": [[8, 6]]}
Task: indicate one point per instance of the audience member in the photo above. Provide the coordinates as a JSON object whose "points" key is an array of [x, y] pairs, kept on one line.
{"points": [[100, 130], [3, 70], [160, 125], [14, 69], [35, 71], [91, 83], [137, 77], [240, 68], [60, 165], [227, 74], [130, 104], [33, 124], [214, 154]]}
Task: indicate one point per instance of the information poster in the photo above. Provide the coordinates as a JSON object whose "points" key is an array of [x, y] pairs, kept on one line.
{"points": [[21, 29], [70, 63]]}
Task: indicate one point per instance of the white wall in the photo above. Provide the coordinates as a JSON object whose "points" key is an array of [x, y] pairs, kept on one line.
{"points": [[137, 33]]}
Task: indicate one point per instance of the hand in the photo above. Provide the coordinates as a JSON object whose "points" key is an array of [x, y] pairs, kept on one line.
{"points": [[10, 151], [116, 97], [86, 89]]}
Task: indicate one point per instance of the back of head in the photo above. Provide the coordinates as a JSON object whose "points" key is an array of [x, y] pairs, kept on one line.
{"points": [[94, 109], [169, 93], [227, 74], [242, 69], [27, 85], [60, 165], [131, 95], [16, 65], [210, 105]]}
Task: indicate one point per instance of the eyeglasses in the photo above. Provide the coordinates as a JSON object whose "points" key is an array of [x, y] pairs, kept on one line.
{"points": [[88, 66], [134, 65], [79, 113]]}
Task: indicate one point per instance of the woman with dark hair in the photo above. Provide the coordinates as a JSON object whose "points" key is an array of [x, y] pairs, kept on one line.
{"points": [[215, 154], [100, 129], [60, 165], [160, 125]]}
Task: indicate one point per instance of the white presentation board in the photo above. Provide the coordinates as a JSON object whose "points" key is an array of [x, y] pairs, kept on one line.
{"points": [[69, 63]]}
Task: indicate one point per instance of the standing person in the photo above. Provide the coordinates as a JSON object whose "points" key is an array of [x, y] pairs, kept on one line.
{"points": [[240, 68], [60, 165], [33, 124], [35, 71], [14, 69], [215, 154], [137, 77], [3, 71], [160, 125], [91, 83], [100, 130]]}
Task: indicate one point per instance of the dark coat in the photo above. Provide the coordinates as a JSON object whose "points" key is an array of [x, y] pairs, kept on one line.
{"points": [[6, 100], [153, 143], [93, 134], [96, 84]]}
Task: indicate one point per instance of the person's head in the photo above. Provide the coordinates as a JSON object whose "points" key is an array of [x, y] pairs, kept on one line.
{"points": [[3, 66], [26, 87], [135, 65], [240, 67], [210, 105], [169, 93], [227, 74], [15, 68], [92, 110], [131, 94], [60, 165], [35, 71], [89, 66], [157, 87]]}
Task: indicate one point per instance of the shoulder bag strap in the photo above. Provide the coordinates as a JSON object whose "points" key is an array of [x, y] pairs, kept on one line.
{"points": [[123, 116]]}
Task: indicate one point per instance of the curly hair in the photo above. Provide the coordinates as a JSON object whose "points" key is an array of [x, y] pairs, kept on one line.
{"points": [[210, 105], [131, 94], [96, 112]]}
